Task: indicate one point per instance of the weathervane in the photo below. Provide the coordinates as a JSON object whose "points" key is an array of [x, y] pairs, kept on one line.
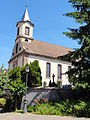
{"points": [[26, 3]]}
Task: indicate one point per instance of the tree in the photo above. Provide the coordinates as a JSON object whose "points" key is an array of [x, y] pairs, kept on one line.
{"points": [[17, 87], [17, 90], [15, 74], [17, 82], [34, 74], [4, 82], [80, 58]]}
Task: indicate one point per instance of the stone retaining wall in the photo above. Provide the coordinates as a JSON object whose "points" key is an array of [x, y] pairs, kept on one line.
{"points": [[51, 94]]}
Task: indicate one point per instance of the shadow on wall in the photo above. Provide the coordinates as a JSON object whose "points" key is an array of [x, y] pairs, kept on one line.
{"points": [[51, 94]]}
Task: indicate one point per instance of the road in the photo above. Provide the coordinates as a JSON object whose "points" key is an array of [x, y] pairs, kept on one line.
{"points": [[15, 116]]}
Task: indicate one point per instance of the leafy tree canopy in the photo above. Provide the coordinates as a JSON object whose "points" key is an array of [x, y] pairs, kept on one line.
{"points": [[17, 81], [34, 74], [80, 58], [4, 81], [17, 87]]}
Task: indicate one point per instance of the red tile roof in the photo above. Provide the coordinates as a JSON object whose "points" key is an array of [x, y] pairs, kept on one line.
{"points": [[45, 49]]}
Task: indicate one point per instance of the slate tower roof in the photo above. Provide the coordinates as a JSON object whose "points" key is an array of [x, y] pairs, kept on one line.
{"points": [[25, 15]]}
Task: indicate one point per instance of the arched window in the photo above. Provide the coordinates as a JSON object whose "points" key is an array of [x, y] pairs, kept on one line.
{"points": [[27, 30], [18, 31], [13, 54], [20, 49], [59, 71], [48, 70], [16, 48]]}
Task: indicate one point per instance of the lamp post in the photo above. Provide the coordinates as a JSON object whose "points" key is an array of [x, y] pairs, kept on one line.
{"points": [[25, 100]]}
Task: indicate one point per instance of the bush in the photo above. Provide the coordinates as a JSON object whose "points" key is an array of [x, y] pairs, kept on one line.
{"points": [[58, 84], [44, 84], [2, 102], [81, 109], [76, 108], [44, 109], [17, 83], [40, 101], [17, 88], [9, 106], [4, 82], [30, 109], [52, 84], [35, 79]]}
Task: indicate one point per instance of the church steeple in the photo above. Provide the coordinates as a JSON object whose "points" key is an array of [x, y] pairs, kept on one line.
{"points": [[25, 15], [25, 27]]}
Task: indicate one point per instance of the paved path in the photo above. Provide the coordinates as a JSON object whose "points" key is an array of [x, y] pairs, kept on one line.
{"points": [[14, 116]]}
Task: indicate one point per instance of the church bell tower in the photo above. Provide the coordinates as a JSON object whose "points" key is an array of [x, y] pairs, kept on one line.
{"points": [[24, 36], [25, 28]]}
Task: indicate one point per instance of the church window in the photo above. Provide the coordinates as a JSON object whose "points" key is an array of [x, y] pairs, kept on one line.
{"points": [[13, 54], [48, 70], [59, 71], [20, 49], [27, 29], [16, 48], [18, 31]]}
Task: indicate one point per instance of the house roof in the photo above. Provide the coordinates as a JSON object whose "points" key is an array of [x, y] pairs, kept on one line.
{"points": [[45, 49]]}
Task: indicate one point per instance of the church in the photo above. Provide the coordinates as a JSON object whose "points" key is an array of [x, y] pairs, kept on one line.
{"points": [[27, 49]]}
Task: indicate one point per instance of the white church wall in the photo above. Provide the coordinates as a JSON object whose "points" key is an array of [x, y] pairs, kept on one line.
{"points": [[31, 31], [64, 76], [20, 60], [11, 65], [54, 64], [20, 26]]}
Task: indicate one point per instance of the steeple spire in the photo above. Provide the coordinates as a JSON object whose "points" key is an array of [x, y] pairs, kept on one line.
{"points": [[26, 3], [25, 15]]}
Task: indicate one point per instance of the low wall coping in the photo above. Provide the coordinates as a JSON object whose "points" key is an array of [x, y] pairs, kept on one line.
{"points": [[48, 88]]}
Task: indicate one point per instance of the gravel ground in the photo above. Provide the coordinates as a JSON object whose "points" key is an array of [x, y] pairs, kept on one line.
{"points": [[15, 116]]}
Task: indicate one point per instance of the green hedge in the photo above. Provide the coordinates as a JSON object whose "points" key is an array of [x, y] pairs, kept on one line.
{"points": [[44, 109], [78, 108]]}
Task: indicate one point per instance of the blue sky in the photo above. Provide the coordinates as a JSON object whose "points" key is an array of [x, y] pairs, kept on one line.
{"points": [[47, 16]]}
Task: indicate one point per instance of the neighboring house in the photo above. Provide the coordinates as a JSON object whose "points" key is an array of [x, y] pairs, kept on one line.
{"points": [[26, 50]]}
